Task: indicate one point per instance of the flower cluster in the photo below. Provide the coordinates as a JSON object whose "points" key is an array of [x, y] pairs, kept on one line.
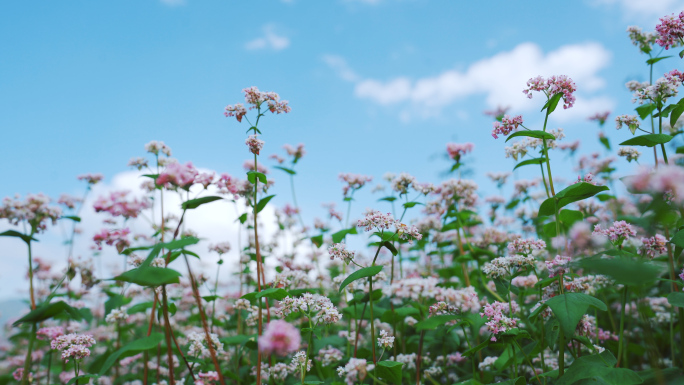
{"points": [[116, 204], [618, 232], [91, 178], [670, 30], [255, 144], [385, 340], [506, 126], [155, 147], [654, 245], [329, 356], [198, 340], [34, 209], [177, 175], [355, 370], [497, 322], [316, 306], [73, 346], [629, 153], [280, 337], [551, 86], [457, 150], [339, 251], [557, 266], [113, 237], [525, 246], [354, 181], [502, 266]]}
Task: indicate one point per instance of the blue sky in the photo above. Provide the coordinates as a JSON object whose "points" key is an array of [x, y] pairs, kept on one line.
{"points": [[374, 85]]}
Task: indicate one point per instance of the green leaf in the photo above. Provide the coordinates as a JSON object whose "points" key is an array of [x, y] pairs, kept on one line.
{"points": [[361, 273], [570, 307], [313, 382], [115, 301], [552, 103], [263, 202], [194, 203], [72, 217], [567, 219], [287, 170], [272, 293], [656, 59], [676, 299], [150, 276], [317, 240], [648, 140], [678, 238], [605, 142], [570, 194], [477, 348], [82, 377], [594, 369], [140, 307], [389, 371], [436, 321], [135, 347], [537, 161], [624, 270], [389, 246], [235, 340], [408, 205], [23, 237], [388, 199], [514, 381], [645, 110], [253, 175], [677, 112], [532, 134], [47, 311], [340, 235]]}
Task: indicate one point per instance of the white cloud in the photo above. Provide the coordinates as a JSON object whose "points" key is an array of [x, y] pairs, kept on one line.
{"points": [[643, 11], [214, 223], [269, 40], [340, 66], [500, 79], [173, 3]]}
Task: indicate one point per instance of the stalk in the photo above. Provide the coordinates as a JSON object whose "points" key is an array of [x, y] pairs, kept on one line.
{"points": [[27, 360], [622, 325]]}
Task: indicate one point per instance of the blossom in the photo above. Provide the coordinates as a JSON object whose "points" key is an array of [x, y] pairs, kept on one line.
{"points": [[376, 220], [329, 356], [205, 179], [339, 251], [456, 150], [49, 333], [256, 99], [116, 315], [138, 163], [318, 307], [354, 181], [112, 237], [670, 30], [300, 363], [654, 245], [197, 340], [385, 340], [355, 370], [279, 337], [506, 126], [155, 147], [401, 183], [117, 205], [551, 86], [525, 246], [34, 209], [220, 248], [643, 40], [630, 153], [599, 117], [502, 266], [497, 322], [238, 111], [177, 175], [255, 144], [629, 120], [296, 153], [91, 178], [73, 345], [618, 232], [557, 266]]}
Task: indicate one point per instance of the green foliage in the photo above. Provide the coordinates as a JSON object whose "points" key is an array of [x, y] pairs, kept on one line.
{"points": [[570, 194], [361, 273]]}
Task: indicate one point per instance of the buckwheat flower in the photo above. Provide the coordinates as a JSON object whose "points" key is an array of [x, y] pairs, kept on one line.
{"points": [[329, 356], [296, 153], [525, 246], [279, 337], [68, 200], [558, 265], [49, 333], [506, 126], [91, 178], [355, 370], [629, 153], [197, 342], [551, 86], [255, 145], [242, 304], [498, 177], [410, 321], [487, 363], [116, 204], [376, 220], [588, 178], [670, 30], [407, 233], [238, 111], [18, 374], [208, 377], [205, 179], [442, 308], [629, 120], [634, 85], [73, 345], [116, 315], [34, 209], [502, 266], [385, 341], [339, 251], [401, 183], [155, 147], [663, 89], [423, 188], [177, 175], [319, 308], [525, 281], [138, 163], [654, 245], [220, 248], [643, 40], [300, 363], [498, 112], [497, 322], [599, 117], [617, 233], [354, 181], [457, 150], [113, 237]]}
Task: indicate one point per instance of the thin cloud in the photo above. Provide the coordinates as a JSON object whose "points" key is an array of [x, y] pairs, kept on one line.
{"points": [[270, 40], [341, 68], [647, 12]]}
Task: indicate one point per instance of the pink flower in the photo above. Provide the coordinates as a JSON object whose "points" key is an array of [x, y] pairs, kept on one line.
{"points": [[296, 153], [117, 205], [551, 86], [456, 150], [178, 175], [238, 111], [49, 333], [557, 265], [670, 30], [254, 144], [205, 179], [111, 237], [506, 126], [599, 117], [91, 178], [354, 181], [497, 322], [654, 245], [155, 148], [220, 248], [279, 337], [618, 232]]}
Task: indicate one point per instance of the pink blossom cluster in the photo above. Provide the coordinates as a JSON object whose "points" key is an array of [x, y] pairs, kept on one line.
{"points": [[588, 178], [220, 248], [557, 266], [456, 150], [643, 40], [551, 86], [442, 308], [629, 153], [355, 370], [663, 89], [376, 220], [300, 363], [653, 246], [506, 126], [255, 144], [91, 178], [73, 345], [618, 232], [354, 181], [670, 30], [205, 179], [463, 191], [329, 356], [177, 175], [279, 337], [229, 185], [156, 147], [34, 209], [117, 205], [238, 111], [402, 182], [599, 117], [49, 333], [296, 153], [667, 180], [207, 378], [407, 232], [138, 162], [525, 281], [256, 98], [497, 322], [498, 112], [525, 246], [502, 266], [339, 251], [68, 200], [316, 306], [113, 237]]}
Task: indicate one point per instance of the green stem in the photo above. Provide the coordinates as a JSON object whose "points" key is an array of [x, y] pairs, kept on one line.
{"points": [[27, 360], [622, 325], [528, 360], [561, 353]]}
